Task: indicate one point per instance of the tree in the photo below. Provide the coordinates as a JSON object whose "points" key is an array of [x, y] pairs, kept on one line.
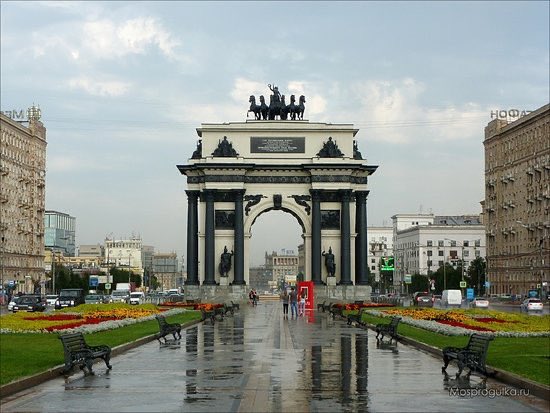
{"points": [[419, 282], [454, 276], [477, 274]]}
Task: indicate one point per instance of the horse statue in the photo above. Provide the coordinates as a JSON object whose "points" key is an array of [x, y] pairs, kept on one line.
{"points": [[264, 109], [292, 108], [301, 108], [284, 109], [255, 109]]}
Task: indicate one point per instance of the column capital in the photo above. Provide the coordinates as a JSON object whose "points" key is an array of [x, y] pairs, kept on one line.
{"points": [[209, 195], [362, 194], [345, 194], [192, 193], [238, 193], [316, 194]]}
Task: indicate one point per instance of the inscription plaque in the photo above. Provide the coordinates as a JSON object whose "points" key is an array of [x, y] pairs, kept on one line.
{"points": [[277, 145]]}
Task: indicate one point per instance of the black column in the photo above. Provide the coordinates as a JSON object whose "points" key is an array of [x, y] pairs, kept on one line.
{"points": [[316, 236], [345, 238], [238, 273], [361, 240], [192, 239], [209, 238]]}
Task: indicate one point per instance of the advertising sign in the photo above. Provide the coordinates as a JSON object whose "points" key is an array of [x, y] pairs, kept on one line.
{"points": [[533, 293], [470, 293], [94, 282]]}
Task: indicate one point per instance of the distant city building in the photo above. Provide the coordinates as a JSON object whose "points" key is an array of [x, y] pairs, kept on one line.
{"points": [[59, 232], [380, 243], [91, 251], [282, 265], [124, 254], [424, 242], [22, 202], [517, 203], [165, 268]]}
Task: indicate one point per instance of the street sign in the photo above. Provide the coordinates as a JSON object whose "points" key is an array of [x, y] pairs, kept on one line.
{"points": [[94, 282], [107, 286], [470, 293], [487, 284], [408, 279], [462, 284]]}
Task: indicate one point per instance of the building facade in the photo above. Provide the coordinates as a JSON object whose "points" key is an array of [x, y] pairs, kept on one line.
{"points": [[22, 202], [165, 268], [380, 245], [91, 250], [424, 242], [59, 232], [124, 254], [517, 203], [282, 265]]}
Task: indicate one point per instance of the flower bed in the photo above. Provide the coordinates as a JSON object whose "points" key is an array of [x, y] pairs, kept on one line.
{"points": [[357, 307], [85, 318], [464, 322], [192, 306]]}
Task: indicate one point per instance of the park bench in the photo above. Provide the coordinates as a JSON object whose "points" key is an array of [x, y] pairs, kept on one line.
{"points": [[473, 355], [388, 329], [79, 353], [236, 306], [228, 308], [358, 318], [336, 309], [326, 306], [208, 314], [321, 306], [167, 328]]}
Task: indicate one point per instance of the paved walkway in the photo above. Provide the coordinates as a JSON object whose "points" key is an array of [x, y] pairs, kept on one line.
{"points": [[257, 361]]}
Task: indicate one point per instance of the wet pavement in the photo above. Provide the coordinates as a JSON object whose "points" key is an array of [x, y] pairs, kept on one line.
{"points": [[258, 361]]}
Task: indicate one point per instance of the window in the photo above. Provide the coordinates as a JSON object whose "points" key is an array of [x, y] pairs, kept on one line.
{"points": [[466, 243], [440, 263], [440, 243], [440, 253], [373, 261], [429, 253], [429, 243], [430, 263], [466, 253], [453, 243], [373, 268], [478, 243]]}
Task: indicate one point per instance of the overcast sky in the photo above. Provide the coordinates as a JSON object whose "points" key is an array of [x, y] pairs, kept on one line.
{"points": [[123, 86]]}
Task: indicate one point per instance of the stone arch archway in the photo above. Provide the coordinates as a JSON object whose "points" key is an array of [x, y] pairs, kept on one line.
{"points": [[310, 170]]}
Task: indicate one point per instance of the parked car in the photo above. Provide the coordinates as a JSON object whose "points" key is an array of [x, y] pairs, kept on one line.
{"points": [[531, 304], [137, 297], [30, 303], [479, 302], [14, 300], [70, 297], [95, 299], [423, 299], [51, 299]]}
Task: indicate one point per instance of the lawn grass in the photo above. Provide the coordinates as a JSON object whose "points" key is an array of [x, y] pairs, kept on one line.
{"points": [[528, 357], [25, 354]]}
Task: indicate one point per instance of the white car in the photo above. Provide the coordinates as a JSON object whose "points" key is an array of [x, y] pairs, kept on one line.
{"points": [[14, 300], [480, 303], [532, 304], [137, 297], [51, 299]]}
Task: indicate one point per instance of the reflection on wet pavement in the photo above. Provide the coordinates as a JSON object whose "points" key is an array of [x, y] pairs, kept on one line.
{"points": [[258, 361]]}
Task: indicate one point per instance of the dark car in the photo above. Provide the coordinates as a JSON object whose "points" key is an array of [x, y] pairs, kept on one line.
{"points": [[30, 303], [70, 297], [423, 299]]}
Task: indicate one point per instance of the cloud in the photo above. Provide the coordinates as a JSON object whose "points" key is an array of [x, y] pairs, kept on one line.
{"points": [[99, 87], [392, 108], [109, 39]]}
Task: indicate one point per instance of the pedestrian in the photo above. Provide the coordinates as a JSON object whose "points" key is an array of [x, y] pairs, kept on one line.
{"points": [[284, 299], [293, 302], [302, 303], [251, 297], [255, 298]]}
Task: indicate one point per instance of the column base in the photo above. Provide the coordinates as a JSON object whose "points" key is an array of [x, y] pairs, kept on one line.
{"points": [[209, 282], [345, 282], [238, 282], [331, 281], [224, 281]]}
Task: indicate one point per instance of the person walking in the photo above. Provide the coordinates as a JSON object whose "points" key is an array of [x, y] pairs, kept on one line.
{"points": [[293, 302], [284, 299], [302, 303]]}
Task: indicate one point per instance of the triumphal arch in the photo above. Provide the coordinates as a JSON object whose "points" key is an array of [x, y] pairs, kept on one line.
{"points": [[277, 161]]}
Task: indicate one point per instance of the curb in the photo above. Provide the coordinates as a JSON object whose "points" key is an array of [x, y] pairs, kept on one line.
{"points": [[53, 373], [536, 389]]}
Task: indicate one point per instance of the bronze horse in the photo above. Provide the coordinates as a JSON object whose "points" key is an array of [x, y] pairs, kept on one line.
{"points": [[254, 108]]}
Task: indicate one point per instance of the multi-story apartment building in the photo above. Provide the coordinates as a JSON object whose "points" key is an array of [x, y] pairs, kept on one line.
{"points": [[59, 232], [22, 202], [517, 203], [124, 254], [165, 268], [424, 242], [282, 265]]}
